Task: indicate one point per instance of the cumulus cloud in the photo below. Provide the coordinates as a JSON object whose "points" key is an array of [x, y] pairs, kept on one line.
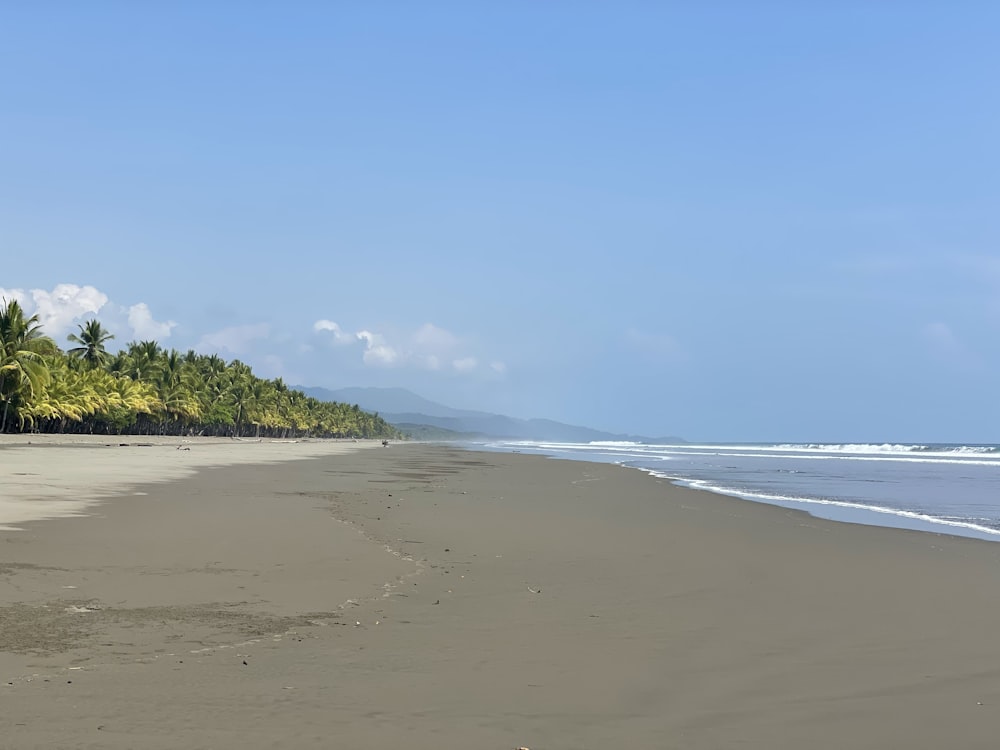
{"points": [[235, 339], [143, 325], [428, 347], [11, 295], [377, 351], [58, 309], [337, 334]]}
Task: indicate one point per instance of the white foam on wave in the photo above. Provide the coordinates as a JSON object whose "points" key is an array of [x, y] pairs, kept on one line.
{"points": [[908, 453], [647, 455], [891, 448], [922, 458], [595, 447], [772, 499], [852, 447], [766, 448]]}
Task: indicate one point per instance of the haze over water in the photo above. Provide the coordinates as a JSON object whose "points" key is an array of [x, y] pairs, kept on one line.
{"points": [[953, 489]]}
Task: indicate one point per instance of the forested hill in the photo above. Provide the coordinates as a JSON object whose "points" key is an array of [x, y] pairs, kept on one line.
{"points": [[428, 419], [146, 389]]}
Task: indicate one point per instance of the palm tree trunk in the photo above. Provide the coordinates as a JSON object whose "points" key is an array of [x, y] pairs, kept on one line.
{"points": [[6, 403]]}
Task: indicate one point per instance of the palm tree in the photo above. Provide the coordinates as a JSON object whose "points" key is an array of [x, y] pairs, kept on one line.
{"points": [[22, 346], [91, 339], [142, 361], [281, 405], [143, 388], [240, 392]]}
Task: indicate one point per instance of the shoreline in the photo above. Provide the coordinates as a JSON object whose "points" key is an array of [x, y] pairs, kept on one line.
{"points": [[857, 514], [840, 510], [444, 598]]}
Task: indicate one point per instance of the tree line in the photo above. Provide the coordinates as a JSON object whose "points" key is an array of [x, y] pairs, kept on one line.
{"points": [[145, 389]]}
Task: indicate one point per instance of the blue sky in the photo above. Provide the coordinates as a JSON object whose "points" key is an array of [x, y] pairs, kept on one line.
{"points": [[722, 220]]}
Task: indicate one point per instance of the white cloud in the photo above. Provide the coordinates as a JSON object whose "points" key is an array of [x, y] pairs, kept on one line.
{"points": [[58, 309], [235, 339], [67, 305], [144, 327], [337, 333], [10, 295], [498, 367], [429, 347], [377, 352], [430, 338]]}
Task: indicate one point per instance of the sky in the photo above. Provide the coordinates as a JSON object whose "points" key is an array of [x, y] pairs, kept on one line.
{"points": [[718, 220]]}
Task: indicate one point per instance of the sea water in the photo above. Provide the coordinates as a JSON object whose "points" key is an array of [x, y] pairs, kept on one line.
{"points": [[952, 489]]}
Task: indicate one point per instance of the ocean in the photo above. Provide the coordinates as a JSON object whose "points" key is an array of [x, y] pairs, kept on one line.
{"points": [[949, 489]]}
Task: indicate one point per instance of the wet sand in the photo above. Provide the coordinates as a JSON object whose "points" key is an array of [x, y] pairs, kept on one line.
{"points": [[428, 597]]}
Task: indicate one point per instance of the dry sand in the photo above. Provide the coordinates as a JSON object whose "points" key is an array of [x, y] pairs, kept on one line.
{"points": [[62, 482], [426, 597]]}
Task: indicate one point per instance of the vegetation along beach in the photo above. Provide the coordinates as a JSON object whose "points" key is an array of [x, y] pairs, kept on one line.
{"points": [[145, 389]]}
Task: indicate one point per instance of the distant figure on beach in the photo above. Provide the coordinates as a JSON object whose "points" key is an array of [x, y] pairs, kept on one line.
{"points": [[385, 443]]}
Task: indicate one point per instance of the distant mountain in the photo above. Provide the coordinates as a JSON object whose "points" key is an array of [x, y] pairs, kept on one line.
{"points": [[422, 417], [388, 400]]}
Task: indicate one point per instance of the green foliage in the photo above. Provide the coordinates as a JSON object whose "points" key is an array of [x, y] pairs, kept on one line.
{"points": [[91, 340], [145, 389], [23, 374]]}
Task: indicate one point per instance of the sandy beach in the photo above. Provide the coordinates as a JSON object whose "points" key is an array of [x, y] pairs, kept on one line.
{"points": [[316, 595]]}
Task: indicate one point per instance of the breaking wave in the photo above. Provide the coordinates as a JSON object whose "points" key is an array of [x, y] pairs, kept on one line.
{"points": [[885, 448], [805, 502], [941, 487]]}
